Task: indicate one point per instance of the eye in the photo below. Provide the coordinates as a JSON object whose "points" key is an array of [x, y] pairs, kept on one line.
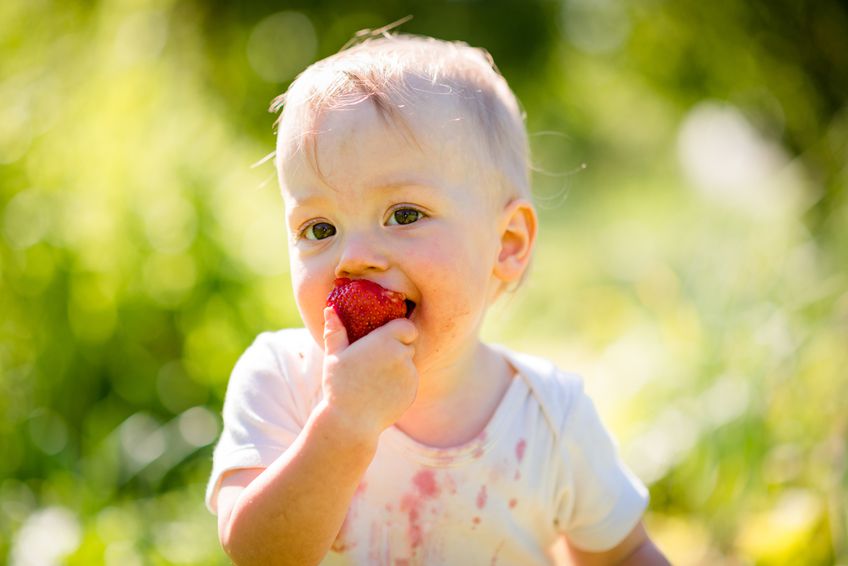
{"points": [[319, 231], [405, 216]]}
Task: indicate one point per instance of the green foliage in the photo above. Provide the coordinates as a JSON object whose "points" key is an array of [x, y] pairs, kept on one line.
{"points": [[691, 180]]}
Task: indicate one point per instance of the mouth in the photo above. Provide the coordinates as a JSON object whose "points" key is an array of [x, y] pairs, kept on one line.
{"points": [[410, 306]]}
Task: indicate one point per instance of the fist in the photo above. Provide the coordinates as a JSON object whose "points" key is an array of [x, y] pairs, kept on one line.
{"points": [[371, 383]]}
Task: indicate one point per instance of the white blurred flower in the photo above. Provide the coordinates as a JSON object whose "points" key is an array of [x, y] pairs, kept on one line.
{"points": [[46, 537], [728, 160]]}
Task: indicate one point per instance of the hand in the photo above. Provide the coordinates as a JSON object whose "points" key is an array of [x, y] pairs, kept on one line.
{"points": [[370, 384]]}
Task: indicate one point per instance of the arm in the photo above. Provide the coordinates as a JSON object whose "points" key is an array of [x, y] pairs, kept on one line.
{"points": [[636, 549], [290, 512]]}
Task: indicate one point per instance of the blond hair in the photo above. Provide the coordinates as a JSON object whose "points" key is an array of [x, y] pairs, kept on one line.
{"points": [[383, 71]]}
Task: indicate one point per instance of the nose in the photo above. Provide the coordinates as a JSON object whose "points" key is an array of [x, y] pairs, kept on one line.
{"points": [[360, 255]]}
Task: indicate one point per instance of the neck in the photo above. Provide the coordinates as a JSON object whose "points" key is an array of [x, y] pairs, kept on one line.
{"points": [[456, 399], [444, 376]]}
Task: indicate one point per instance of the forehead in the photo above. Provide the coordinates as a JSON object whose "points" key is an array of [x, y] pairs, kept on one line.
{"points": [[426, 138]]}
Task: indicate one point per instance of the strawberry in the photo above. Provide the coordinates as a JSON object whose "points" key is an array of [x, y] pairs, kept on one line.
{"points": [[363, 305]]}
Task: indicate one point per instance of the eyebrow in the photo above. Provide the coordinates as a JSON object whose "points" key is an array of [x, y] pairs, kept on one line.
{"points": [[400, 185], [309, 200], [392, 186]]}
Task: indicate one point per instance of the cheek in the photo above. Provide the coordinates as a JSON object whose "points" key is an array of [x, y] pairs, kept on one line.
{"points": [[457, 274], [310, 292], [455, 260]]}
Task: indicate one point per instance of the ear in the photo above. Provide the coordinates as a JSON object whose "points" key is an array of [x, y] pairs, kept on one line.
{"points": [[517, 237]]}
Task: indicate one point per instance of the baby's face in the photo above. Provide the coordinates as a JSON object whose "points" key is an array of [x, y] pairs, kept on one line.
{"points": [[419, 220]]}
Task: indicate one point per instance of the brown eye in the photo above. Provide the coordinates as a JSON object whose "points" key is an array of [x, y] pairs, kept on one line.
{"points": [[405, 216], [319, 231]]}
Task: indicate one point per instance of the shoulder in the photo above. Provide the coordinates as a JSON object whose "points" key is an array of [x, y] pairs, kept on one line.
{"points": [[277, 361], [283, 344], [558, 392], [279, 350]]}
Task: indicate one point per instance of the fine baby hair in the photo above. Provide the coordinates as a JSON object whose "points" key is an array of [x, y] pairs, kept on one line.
{"points": [[393, 72]]}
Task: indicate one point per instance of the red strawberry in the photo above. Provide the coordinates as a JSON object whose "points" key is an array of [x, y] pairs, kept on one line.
{"points": [[363, 305]]}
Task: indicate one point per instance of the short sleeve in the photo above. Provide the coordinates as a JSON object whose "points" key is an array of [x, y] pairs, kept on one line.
{"points": [[601, 500], [269, 397]]}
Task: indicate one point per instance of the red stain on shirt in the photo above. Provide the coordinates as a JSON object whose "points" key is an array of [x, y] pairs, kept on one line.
{"points": [[425, 481], [476, 521], [425, 488], [513, 503], [482, 496], [497, 551], [519, 449], [450, 484], [410, 505]]}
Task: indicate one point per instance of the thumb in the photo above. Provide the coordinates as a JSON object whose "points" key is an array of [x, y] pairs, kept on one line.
{"points": [[335, 335]]}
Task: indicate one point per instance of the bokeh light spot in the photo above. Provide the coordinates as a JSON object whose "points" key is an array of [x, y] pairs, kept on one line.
{"points": [[142, 440], [728, 160], [198, 426], [170, 223], [281, 45], [15, 134], [26, 219], [117, 524], [177, 391], [122, 553], [46, 537], [141, 37], [596, 26], [91, 309], [48, 431], [169, 278]]}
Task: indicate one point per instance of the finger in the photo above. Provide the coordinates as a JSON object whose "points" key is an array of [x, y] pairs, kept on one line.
{"points": [[335, 335], [403, 330]]}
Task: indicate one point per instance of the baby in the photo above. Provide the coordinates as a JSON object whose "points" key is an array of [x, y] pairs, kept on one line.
{"points": [[403, 163]]}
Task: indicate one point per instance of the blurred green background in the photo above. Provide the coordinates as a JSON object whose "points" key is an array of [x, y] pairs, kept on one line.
{"points": [[691, 170]]}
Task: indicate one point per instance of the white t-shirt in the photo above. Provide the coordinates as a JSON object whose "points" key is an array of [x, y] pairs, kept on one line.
{"points": [[543, 466]]}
